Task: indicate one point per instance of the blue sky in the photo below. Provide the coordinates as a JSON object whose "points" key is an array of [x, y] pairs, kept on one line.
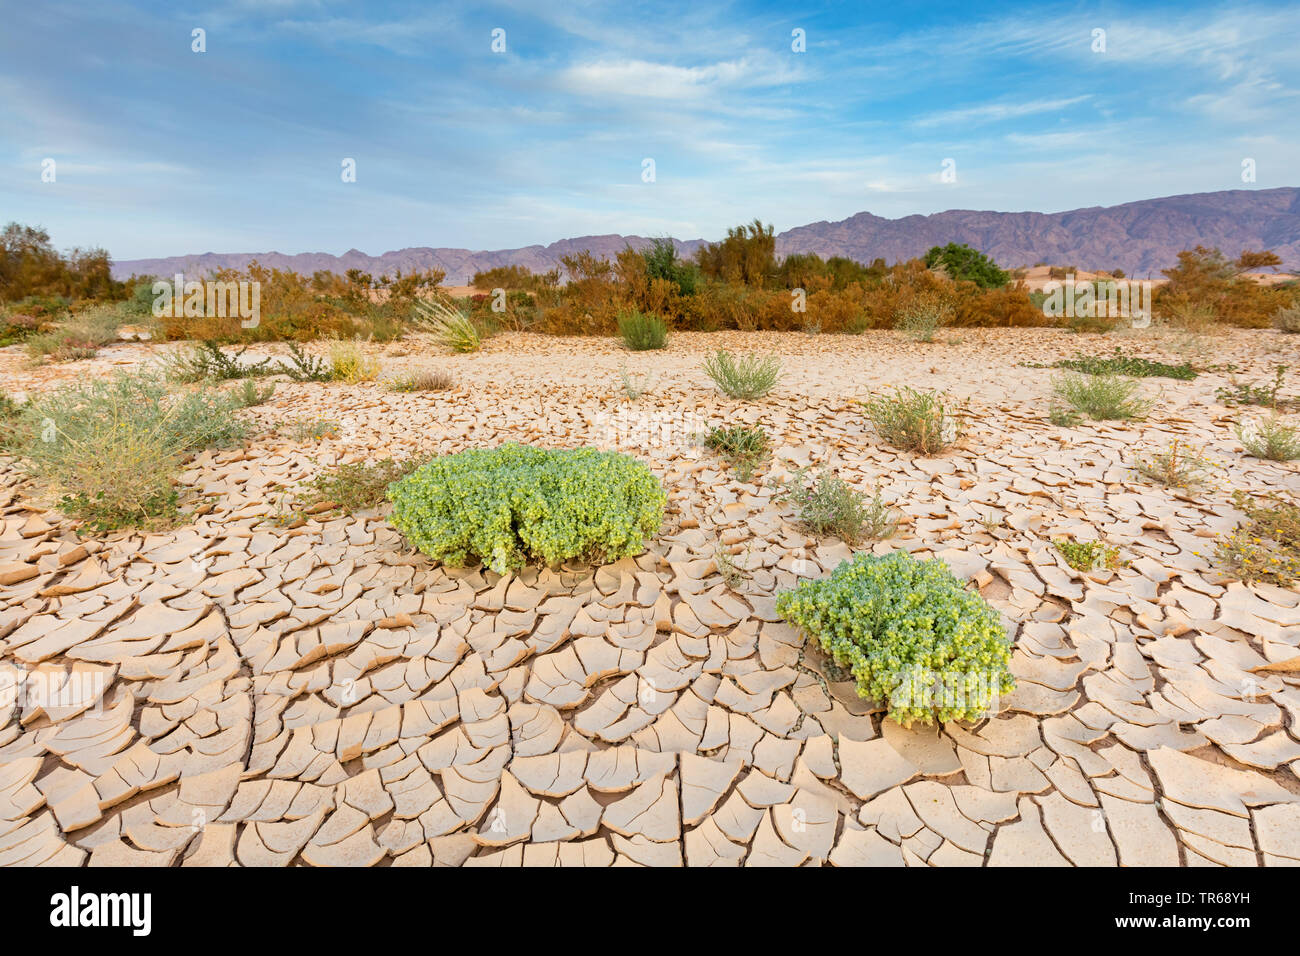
{"points": [[164, 151]]}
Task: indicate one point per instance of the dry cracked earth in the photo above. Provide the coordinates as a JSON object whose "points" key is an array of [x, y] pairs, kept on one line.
{"points": [[242, 691]]}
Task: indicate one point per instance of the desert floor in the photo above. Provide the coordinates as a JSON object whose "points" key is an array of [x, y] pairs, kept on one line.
{"points": [[267, 693]]}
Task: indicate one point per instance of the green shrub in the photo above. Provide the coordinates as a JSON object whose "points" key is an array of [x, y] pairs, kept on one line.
{"points": [[1102, 397], [642, 332], [1121, 364], [921, 319], [516, 503], [306, 368], [743, 447], [354, 487], [912, 636], [1270, 438], [961, 262], [450, 326], [79, 337], [830, 505], [912, 420], [112, 448], [207, 362], [747, 377]]}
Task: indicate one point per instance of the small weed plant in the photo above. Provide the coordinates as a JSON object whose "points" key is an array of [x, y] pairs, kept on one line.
{"points": [[913, 420], [744, 377], [828, 504]]}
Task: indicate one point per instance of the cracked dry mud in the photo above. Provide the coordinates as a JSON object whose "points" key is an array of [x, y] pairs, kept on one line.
{"points": [[248, 693]]}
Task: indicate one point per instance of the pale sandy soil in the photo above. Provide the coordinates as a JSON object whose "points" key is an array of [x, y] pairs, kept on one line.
{"points": [[318, 694]]}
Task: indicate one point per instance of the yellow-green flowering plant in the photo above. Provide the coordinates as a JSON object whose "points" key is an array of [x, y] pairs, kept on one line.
{"points": [[516, 504], [912, 636]]}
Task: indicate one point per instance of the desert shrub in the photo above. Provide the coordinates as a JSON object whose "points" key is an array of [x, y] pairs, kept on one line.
{"points": [[303, 367], [112, 448], [922, 318], [351, 363], [206, 361], [912, 420], [961, 262], [1206, 288], [354, 487], [661, 262], [743, 447], [424, 380], [248, 394], [1119, 363], [1101, 397], [1175, 466], [635, 385], [515, 277], [1287, 319], [1266, 547], [450, 326], [517, 503], [912, 636], [79, 336], [746, 256], [1089, 555], [1247, 393], [641, 332], [828, 504], [745, 377], [1099, 324], [31, 268], [1270, 438]]}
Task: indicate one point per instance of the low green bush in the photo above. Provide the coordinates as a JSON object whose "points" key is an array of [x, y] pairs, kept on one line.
{"points": [[515, 504], [912, 636], [746, 377], [830, 505], [912, 420], [743, 447], [642, 332], [1102, 397]]}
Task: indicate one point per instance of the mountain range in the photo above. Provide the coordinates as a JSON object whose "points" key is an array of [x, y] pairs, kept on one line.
{"points": [[1139, 237]]}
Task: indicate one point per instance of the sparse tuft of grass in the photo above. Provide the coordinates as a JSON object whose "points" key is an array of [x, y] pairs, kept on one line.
{"points": [[112, 448], [732, 573], [642, 332], [425, 380], [912, 420], [1101, 397], [745, 377], [743, 447], [1270, 438], [78, 337], [249, 394], [1175, 466], [450, 326], [921, 319], [635, 385], [1287, 319], [354, 487], [351, 364], [828, 504]]}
